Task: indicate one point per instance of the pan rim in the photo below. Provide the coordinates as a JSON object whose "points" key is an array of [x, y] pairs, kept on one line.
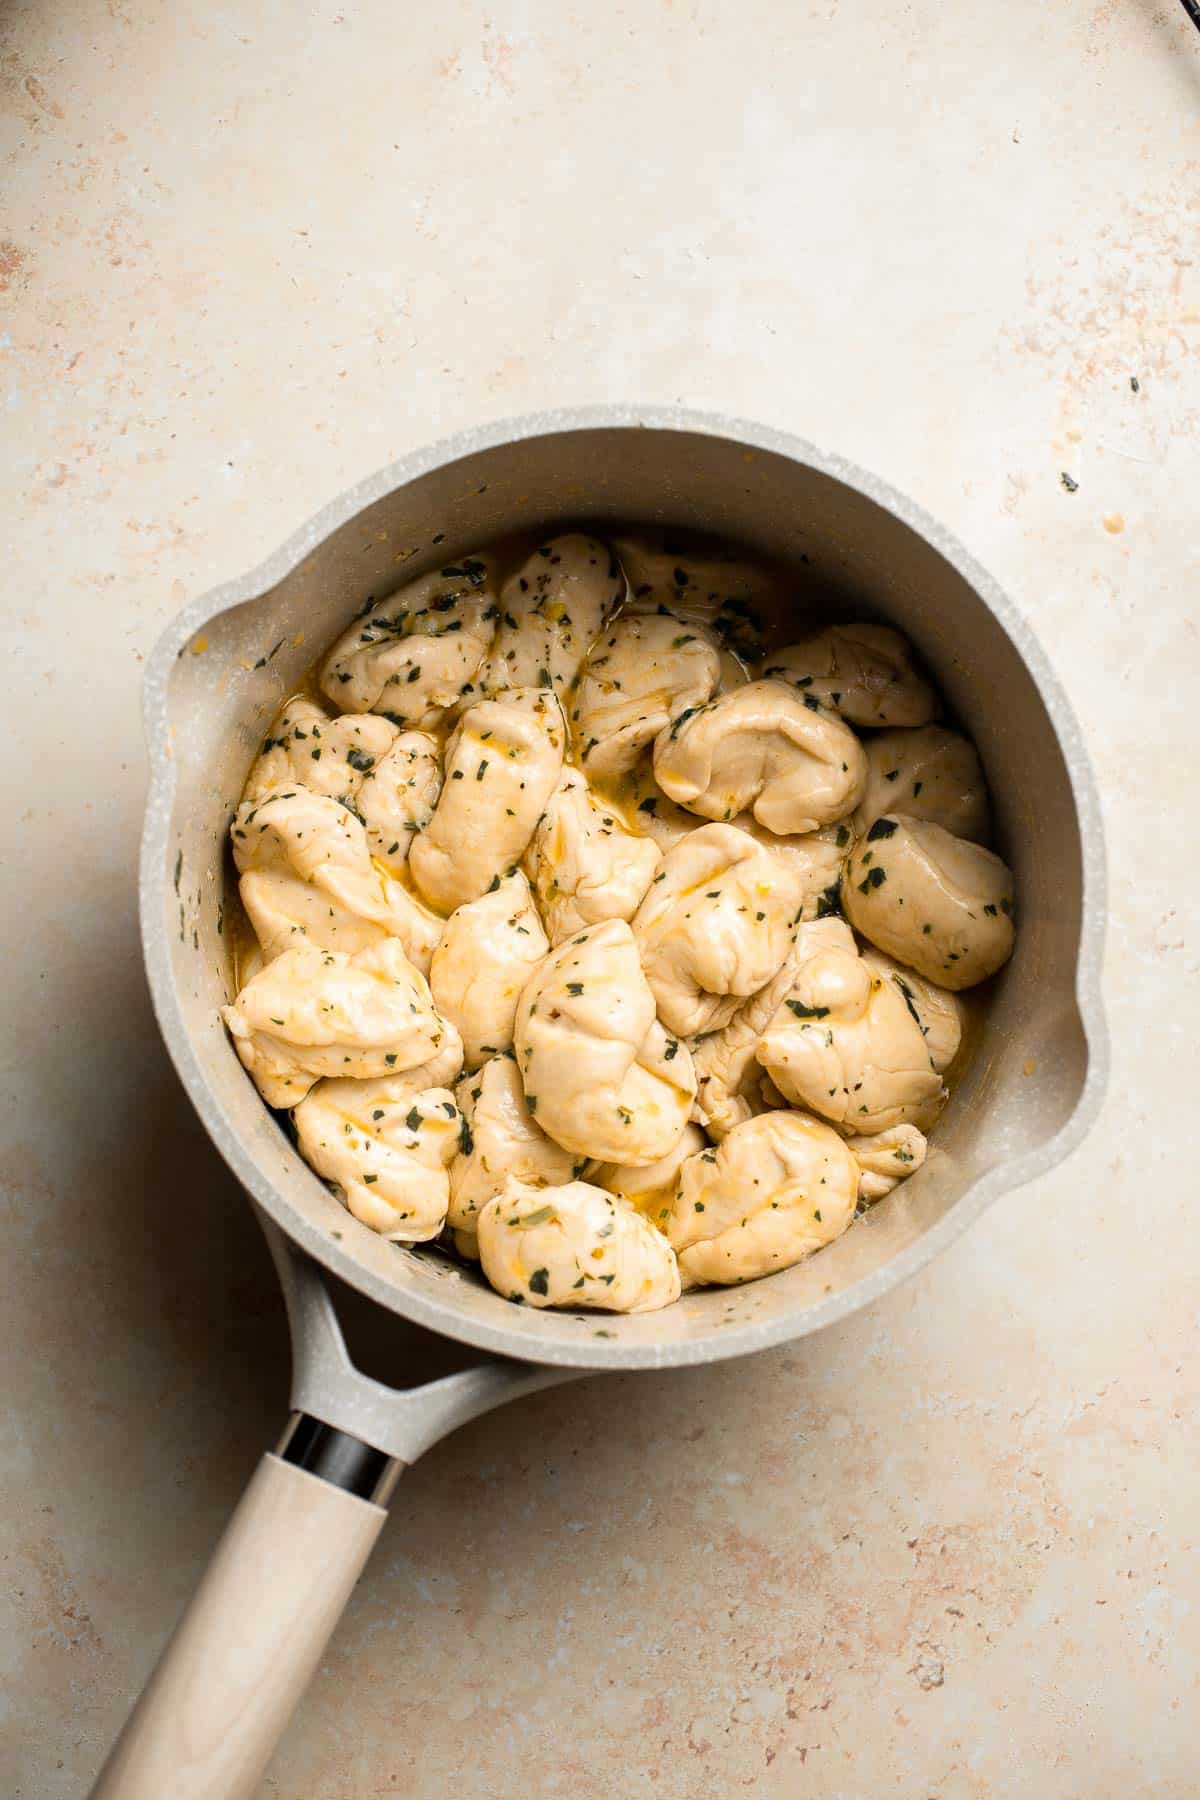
{"points": [[722, 1341]]}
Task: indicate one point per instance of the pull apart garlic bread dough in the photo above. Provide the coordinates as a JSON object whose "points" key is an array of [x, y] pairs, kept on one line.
{"points": [[583, 863], [887, 1159], [762, 749], [397, 797], [500, 1140], [648, 670], [816, 859], [307, 876], [488, 951], [575, 1246], [862, 672], [933, 901], [849, 1043], [313, 1013], [776, 1189], [388, 778], [306, 746], [649, 1187], [503, 761], [414, 655], [386, 1148], [721, 592], [930, 774], [715, 926], [939, 1012], [619, 839], [602, 1076], [282, 839], [551, 613], [728, 1074], [732, 672]]}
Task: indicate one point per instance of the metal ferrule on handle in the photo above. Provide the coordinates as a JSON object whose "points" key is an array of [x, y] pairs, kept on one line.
{"points": [[336, 1457]]}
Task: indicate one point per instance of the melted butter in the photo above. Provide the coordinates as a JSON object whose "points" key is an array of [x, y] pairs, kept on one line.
{"points": [[654, 1203], [403, 878], [976, 1003], [239, 934], [620, 793]]}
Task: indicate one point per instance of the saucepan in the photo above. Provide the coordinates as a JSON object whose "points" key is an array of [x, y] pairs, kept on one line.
{"points": [[253, 1633]]}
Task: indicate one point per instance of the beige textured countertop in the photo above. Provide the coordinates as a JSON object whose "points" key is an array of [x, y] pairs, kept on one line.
{"points": [[251, 252]]}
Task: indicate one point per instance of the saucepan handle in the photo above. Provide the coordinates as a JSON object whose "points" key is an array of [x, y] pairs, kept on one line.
{"points": [[253, 1634], [249, 1642]]}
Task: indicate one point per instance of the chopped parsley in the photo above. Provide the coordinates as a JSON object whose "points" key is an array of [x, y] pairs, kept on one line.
{"points": [[909, 999], [807, 1012], [827, 902]]}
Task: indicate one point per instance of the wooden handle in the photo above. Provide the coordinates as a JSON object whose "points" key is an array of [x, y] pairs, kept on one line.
{"points": [[248, 1644]]}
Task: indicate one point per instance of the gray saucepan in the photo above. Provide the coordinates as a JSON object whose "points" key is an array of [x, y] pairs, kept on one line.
{"points": [[253, 1633]]}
